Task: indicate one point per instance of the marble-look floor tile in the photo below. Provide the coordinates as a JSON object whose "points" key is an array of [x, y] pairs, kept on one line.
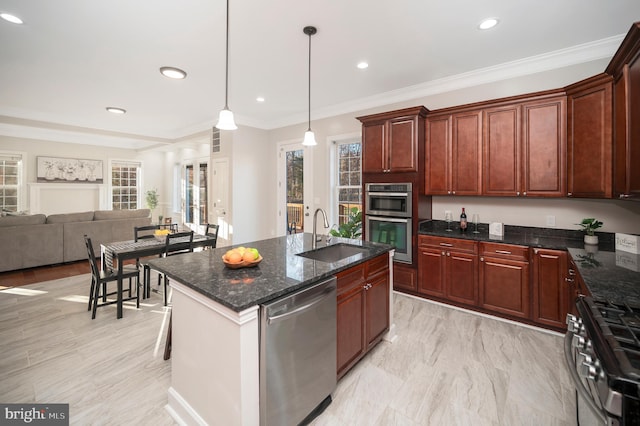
{"points": [[446, 367]]}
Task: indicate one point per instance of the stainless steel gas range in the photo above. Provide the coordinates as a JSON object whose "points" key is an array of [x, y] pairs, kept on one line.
{"points": [[602, 349]]}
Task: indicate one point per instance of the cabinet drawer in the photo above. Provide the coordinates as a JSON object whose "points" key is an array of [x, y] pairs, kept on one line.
{"points": [[504, 251], [350, 278], [377, 265], [448, 243]]}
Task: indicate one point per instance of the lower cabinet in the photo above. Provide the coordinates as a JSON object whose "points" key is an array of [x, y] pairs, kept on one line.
{"points": [[550, 289], [448, 268], [504, 279], [363, 310], [404, 277]]}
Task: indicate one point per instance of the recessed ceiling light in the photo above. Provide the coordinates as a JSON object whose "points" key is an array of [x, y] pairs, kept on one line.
{"points": [[488, 23], [11, 18], [363, 65], [171, 72], [116, 110], [259, 99]]}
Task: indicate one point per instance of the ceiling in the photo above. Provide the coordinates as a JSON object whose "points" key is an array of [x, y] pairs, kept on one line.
{"points": [[73, 58]]}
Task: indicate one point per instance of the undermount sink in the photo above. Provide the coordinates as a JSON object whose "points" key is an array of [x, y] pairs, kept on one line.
{"points": [[334, 252]]}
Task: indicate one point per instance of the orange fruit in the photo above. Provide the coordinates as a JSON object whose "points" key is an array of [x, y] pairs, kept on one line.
{"points": [[248, 256], [234, 257]]}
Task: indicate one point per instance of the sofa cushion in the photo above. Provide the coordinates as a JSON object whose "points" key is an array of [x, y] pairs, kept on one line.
{"points": [[34, 219], [70, 217], [120, 214]]}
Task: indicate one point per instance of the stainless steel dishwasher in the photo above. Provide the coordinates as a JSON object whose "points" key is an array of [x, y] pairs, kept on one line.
{"points": [[298, 355]]}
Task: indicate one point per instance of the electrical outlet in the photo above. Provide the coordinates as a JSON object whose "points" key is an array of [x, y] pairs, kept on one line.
{"points": [[551, 220]]}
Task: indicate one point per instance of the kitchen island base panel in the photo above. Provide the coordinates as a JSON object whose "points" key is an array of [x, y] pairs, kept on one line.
{"points": [[214, 361]]}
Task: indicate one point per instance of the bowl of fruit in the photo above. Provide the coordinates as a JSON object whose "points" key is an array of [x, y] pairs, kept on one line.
{"points": [[241, 257], [161, 234]]}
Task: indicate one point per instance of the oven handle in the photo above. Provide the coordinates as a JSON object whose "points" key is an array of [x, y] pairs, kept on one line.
{"points": [[387, 219], [393, 194], [577, 381]]}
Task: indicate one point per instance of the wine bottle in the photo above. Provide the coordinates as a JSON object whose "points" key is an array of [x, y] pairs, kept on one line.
{"points": [[463, 221]]}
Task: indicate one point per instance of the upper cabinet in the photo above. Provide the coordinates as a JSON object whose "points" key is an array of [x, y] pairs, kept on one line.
{"points": [[544, 147], [590, 138], [392, 140], [509, 147], [453, 154], [625, 69]]}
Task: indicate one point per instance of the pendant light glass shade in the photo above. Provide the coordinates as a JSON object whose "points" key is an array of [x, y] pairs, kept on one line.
{"points": [[225, 119], [309, 137]]}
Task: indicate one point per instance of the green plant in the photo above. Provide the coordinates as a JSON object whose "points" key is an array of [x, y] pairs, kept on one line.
{"points": [[151, 198], [589, 225], [352, 228]]}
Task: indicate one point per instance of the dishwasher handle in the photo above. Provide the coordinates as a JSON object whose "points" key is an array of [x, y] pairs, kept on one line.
{"points": [[325, 293]]}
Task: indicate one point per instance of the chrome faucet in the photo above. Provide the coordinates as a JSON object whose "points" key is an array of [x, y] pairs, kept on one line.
{"points": [[314, 237]]}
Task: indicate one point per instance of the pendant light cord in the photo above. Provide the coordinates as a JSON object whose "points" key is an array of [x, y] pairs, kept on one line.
{"points": [[309, 103], [226, 79]]}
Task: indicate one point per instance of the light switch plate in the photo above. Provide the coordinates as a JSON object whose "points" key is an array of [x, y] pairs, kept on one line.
{"points": [[495, 228], [551, 220]]}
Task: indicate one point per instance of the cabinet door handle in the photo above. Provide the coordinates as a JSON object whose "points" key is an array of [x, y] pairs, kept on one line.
{"points": [[482, 259], [446, 245], [572, 272], [449, 192], [524, 193], [503, 252], [443, 253], [454, 192], [448, 254], [569, 280], [518, 193]]}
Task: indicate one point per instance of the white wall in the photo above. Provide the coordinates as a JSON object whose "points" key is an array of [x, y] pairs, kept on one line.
{"points": [[65, 204]]}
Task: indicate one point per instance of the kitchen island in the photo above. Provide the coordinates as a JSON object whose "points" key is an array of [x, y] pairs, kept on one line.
{"points": [[215, 322]]}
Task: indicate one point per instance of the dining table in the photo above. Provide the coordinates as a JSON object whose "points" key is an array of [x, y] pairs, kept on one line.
{"points": [[116, 253]]}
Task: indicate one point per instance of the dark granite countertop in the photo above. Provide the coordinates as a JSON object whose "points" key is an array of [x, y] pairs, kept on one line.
{"points": [[550, 238], [609, 275], [280, 272]]}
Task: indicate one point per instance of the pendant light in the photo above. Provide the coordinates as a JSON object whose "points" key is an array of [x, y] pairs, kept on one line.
{"points": [[309, 137], [225, 119]]}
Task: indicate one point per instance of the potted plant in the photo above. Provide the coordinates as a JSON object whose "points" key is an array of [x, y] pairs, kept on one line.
{"points": [[352, 228], [589, 225], [151, 197]]}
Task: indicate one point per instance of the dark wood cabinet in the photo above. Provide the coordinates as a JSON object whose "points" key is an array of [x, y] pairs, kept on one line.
{"points": [[453, 154], [504, 279], [404, 277], [501, 151], [448, 268], [625, 69], [363, 310], [524, 148], [392, 140], [550, 289], [590, 138], [544, 147]]}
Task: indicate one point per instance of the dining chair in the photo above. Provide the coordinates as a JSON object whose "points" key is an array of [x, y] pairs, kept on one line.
{"points": [[176, 243], [144, 232], [100, 278], [212, 232]]}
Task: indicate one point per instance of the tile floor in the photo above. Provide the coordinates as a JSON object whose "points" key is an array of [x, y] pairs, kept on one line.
{"points": [[446, 367]]}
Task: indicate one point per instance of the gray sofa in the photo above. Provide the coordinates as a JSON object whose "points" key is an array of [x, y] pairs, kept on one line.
{"points": [[38, 240]]}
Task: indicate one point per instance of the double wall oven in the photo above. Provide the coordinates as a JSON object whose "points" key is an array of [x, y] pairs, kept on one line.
{"points": [[388, 217]]}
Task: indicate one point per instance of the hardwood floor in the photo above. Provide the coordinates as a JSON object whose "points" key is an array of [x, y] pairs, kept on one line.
{"points": [[446, 367], [43, 273]]}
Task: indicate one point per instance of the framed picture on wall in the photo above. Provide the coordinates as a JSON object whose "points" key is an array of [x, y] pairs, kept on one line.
{"points": [[68, 170]]}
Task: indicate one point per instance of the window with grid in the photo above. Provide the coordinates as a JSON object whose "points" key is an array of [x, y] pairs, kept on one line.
{"points": [[125, 185], [10, 178], [349, 179]]}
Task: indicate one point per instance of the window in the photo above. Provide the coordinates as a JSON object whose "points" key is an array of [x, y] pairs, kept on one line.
{"points": [[125, 185], [10, 180], [348, 178], [196, 177]]}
